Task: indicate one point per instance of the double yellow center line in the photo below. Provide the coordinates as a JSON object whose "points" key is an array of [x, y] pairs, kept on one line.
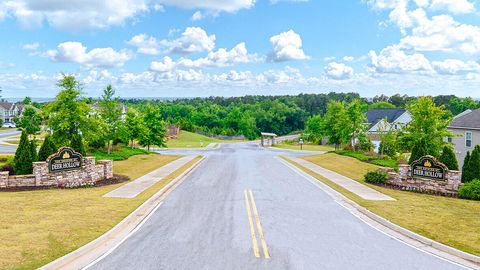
{"points": [[256, 251]]}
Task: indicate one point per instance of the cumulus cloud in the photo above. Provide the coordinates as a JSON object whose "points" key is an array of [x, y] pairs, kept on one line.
{"points": [[393, 59], [456, 67], [216, 5], [453, 6], [74, 14], [220, 58], [76, 52], [338, 71], [197, 16], [286, 46], [192, 40]]}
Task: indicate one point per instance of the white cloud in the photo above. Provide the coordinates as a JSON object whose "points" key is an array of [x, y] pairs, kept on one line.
{"points": [[443, 33], [286, 46], [145, 44], [288, 74], [455, 67], [197, 16], [234, 75], [216, 5], [453, 6], [338, 71], [75, 52], [74, 14], [31, 46], [348, 58], [294, 1], [393, 59], [192, 40], [220, 58]]}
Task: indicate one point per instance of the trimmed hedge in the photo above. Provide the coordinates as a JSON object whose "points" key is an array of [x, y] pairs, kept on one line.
{"points": [[470, 190], [376, 177]]}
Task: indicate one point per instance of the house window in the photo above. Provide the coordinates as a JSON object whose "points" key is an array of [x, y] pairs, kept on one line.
{"points": [[396, 126], [449, 139], [468, 139]]}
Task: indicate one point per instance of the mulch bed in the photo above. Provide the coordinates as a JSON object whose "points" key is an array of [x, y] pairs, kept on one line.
{"points": [[117, 178]]}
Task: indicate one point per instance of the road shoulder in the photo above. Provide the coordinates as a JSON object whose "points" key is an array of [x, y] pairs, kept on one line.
{"points": [[385, 226]]}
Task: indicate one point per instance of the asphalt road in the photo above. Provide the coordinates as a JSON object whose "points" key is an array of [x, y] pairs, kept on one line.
{"points": [[204, 224]]}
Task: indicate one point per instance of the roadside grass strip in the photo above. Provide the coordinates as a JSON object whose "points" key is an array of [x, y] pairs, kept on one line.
{"points": [[252, 208]]}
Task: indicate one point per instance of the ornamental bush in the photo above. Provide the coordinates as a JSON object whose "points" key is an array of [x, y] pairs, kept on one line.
{"points": [[77, 144], [48, 148], [23, 156], [376, 177], [465, 166], [472, 169], [33, 150], [470, 190], [448, 158]]}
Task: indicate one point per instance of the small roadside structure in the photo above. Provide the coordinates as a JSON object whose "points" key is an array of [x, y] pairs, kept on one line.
{"points": [[383, 120], [268, 139], [466, 127]]}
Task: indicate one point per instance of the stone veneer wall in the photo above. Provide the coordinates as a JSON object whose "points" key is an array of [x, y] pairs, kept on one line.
{"points": [[90, 172], [450, 185]]}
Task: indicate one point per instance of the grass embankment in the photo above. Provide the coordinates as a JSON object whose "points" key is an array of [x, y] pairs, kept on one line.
{"points": [[187, 139], [37, 227], [307, 147], [451, 221], [369, 159]]}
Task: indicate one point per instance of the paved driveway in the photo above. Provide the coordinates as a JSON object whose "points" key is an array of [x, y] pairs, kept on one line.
{"points": [[211, 221]]}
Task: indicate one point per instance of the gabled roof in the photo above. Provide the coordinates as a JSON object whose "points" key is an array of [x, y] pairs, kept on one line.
{"points": [[469, 120], [7, 105], [375, 115]]}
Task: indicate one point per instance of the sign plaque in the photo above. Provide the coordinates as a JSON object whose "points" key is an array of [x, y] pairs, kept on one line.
{"points": [[428, 167], [64, 160]]}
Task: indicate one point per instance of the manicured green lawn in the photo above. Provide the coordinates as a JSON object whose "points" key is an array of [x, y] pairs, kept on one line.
{"points": [[37, 227], [307, 147], [191, 140], [118, 153], [385, 162], [454, 222]]}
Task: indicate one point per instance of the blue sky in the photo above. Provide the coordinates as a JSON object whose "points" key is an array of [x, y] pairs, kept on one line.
{"points": [[185, 48]]}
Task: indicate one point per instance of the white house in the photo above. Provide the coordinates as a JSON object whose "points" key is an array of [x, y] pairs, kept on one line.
{"points": [[8, 111], [466, 127], [383, 120]]}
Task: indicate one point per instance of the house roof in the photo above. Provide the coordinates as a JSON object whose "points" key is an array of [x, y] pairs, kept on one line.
{"points": [[375, 115], [469, 120], [7, 105]]}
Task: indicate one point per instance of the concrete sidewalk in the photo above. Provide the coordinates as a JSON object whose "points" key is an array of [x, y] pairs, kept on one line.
{"points": [[351, 185], [132, 189]]}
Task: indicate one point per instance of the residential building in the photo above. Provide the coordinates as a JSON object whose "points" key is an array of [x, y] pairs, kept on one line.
{"points": [[9, 110], [383, 120], [466, 127], [95, 108]]}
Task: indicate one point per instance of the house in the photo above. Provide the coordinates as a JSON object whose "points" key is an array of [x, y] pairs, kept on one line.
{"points": [[466, 127], [124, 109], [383, 120], [9, 110]]}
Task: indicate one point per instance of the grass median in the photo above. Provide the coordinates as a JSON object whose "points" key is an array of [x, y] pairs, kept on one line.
{"points": [[37, 227], [451, 221]]}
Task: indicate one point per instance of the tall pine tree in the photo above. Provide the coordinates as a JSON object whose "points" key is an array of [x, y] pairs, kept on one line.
{"points": [[448, 158], [77, 144], [47, 148], [33, 149], [23, 156], [472, 171], [465, 168]]}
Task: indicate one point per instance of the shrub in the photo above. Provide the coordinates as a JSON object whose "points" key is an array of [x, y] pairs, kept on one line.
{"points": [[470, 190], [472, 170], [448, 158], [376, 177], [8, 168], [47, 148], [77, 144], [23, 157], [33, 150], [465, 166]]}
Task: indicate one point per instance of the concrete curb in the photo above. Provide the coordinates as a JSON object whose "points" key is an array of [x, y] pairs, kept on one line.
{"points": [[442, 248], [91, 251]]}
